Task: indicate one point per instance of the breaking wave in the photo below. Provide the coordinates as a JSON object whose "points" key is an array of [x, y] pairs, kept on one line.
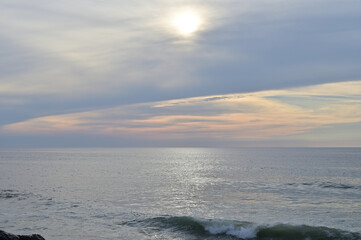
{"points": [[226, 229]]}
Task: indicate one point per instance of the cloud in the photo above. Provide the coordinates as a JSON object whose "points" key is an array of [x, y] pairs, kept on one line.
{"points": [[68, 57], [107, 48], [89, 47], [251, 116]]}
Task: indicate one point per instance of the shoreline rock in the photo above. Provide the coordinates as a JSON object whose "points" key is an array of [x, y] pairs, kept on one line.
{"points": [[10, 236]]}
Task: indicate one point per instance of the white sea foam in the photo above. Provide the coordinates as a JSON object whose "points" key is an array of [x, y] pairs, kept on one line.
{"points": [[244, 231]]}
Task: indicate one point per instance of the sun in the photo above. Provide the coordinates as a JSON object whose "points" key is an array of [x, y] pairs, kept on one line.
{"points": [[187, 22]]}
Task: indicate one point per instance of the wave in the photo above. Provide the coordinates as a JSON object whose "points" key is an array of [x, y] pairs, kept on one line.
{"points": [[227, 229], [330, 185], [7, 193]]}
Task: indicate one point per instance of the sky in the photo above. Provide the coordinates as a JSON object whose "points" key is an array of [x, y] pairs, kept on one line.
{"points": [[157, 73]]}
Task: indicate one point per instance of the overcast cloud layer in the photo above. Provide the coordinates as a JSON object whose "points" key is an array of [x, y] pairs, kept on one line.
{"points": [[76, 57]]}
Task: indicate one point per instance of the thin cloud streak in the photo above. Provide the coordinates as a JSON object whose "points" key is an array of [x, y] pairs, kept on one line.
{"points": [[236, 117]]}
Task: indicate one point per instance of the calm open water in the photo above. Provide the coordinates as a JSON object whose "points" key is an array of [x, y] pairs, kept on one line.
{"points": [[182, 193]]}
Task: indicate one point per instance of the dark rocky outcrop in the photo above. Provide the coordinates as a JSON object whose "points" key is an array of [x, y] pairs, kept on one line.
{"points": [[9, 236]]}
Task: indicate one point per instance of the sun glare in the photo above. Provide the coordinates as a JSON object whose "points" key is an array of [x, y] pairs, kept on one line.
{"points": [[187, 22]]}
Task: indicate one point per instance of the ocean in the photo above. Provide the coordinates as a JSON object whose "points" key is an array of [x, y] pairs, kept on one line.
{"points": [[182, 193]]}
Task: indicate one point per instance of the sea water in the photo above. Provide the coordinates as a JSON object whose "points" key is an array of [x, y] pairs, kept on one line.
{"points": [[182, 193]]}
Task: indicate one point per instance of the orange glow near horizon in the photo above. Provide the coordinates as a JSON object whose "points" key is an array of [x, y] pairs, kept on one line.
{"points": [[258, 115]]}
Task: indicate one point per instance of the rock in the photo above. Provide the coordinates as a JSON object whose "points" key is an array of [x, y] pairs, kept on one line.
{"points": [[9, 236]]}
